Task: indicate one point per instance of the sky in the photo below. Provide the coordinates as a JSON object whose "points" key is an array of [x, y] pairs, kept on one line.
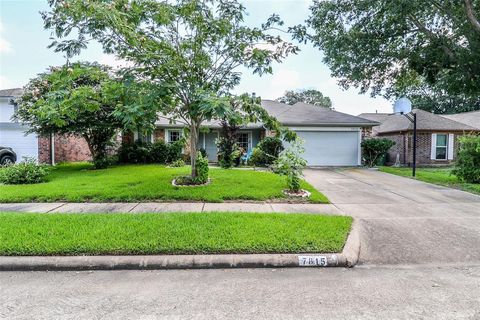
{"points": [[24, 54]]}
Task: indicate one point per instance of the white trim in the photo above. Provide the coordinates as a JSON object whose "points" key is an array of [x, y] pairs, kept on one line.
{"points": [[345, 129], [433, 149], [451, 139], [250, 140], [136, 133], [359, 148], [167, 134]]}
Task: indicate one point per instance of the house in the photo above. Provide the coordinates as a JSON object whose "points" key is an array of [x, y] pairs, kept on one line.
{"points": [[331, 138], [45, 149], [437, 135]]}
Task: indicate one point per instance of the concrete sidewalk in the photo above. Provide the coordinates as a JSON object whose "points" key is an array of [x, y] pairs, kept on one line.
{"points": [[140, 207]]}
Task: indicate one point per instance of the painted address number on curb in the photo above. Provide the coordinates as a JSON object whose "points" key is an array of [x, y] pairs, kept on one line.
{"points": [[312, 261]]}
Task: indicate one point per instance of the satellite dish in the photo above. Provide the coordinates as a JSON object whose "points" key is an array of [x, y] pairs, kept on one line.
{"points": [[402, 105]]}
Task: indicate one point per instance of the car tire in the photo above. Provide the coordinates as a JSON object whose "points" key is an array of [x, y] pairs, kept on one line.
{"points": [[6, 160]]}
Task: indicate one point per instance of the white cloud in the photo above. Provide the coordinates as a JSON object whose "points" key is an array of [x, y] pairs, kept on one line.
{"points": [[113, 61], [6, 83], [281, 81], [5, 46]]}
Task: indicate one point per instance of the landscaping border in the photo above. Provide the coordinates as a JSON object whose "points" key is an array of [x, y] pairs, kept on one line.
{"points": [[347, 258]]}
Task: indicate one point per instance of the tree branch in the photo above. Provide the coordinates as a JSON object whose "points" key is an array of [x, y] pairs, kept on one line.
{"points": [[471, 15]]}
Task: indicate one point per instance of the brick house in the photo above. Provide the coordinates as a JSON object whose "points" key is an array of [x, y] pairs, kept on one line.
{"points": [[437, 135]]}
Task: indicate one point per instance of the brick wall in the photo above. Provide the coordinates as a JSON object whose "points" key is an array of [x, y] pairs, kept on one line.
{"points": [[404, 147], [69, 148]]}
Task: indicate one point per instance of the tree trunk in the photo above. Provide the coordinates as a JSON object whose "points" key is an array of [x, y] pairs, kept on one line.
{"points": [[194, 131]]}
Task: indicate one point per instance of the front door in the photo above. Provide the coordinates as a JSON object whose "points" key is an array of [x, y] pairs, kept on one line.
{"points": [[211, 146]]}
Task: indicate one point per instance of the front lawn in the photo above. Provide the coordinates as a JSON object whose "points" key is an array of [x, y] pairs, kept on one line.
{"points": [[440, 176], [170, 233], [77, 183]]}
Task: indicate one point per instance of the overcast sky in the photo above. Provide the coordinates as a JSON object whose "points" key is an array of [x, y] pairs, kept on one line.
{"points": [[24, 53]]}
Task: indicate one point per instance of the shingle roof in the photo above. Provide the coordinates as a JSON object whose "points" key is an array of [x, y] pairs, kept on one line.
{"points": [[15, 92], [425, 121], [300, 114], [303, 114], [378, 117], [469, 118]]}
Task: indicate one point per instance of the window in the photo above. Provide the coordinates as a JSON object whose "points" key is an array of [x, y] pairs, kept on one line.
{"points": [[173, 136], [441, 147], [243, 140], [143, 137]]}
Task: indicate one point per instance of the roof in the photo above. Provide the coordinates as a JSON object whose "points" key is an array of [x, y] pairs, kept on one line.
{"points": [[469, 118], [377, 117], [14, 92], [426, 121], [303, 114], [299, 114]]}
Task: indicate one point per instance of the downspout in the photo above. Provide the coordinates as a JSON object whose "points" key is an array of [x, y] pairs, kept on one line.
{"points": [[52, 149]]}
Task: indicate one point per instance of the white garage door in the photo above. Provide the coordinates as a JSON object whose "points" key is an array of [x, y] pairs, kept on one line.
{"points": [[330, 148], [24, 146]]}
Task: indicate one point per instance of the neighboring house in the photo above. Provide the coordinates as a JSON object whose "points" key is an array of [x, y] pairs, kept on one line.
{"points": [[12, 134], [436, 136], [331, 138]]}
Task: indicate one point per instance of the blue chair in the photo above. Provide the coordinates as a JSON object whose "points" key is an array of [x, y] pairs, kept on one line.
{"points": [[246, 156]]}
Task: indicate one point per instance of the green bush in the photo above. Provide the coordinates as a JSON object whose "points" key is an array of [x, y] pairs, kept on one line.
{"points": [[267, 151], [25, 172], [177, 163], [467, 166], [145, 152], [228, 152], [201, 166], [375, 149], [290, 164]]}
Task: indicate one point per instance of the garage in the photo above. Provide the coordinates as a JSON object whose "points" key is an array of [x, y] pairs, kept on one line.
{"points": [[331, 148], [12, 135]]}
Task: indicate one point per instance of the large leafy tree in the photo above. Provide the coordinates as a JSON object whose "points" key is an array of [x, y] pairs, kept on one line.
{"points": [[372, 44], [310, 96], [86, 100], [193, 48]]}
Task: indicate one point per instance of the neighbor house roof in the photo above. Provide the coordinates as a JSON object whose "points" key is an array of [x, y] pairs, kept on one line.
{"points": [[15, 92], [469, 118], [299, 114], [377, 117], [426, 121]]}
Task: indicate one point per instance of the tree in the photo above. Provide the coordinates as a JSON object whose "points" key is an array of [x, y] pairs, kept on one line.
{"points": [[192, 48], [309, 96], [372, 44], [82, 99]]}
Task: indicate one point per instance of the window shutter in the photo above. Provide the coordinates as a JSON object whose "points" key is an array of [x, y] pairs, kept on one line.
{"points": [[433, 153], [451, 139]]}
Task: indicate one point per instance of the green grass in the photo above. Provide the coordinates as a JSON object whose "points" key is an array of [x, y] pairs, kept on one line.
{"points": [[440, 176], [77, 183], [170, 233]]}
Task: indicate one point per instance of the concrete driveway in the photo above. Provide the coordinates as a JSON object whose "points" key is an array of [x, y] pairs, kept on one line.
{"points": [[404, 221]]}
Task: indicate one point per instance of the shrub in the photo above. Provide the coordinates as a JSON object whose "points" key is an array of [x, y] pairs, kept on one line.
{"points": [[467, 166], [25, 172], [257, 157], [203, 152], [291, 164], [145, 152], [228, 152], [267, 151], [201, 167], [177, 163], [374, 149]]}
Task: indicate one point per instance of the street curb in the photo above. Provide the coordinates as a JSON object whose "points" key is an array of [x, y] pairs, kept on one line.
{"points": [[347, 258]]}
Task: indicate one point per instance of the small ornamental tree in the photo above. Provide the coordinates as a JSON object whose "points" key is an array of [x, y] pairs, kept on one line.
{"points": [[82, 99], [291, 164], [467, 166], [373, 149], [191, 48]]}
